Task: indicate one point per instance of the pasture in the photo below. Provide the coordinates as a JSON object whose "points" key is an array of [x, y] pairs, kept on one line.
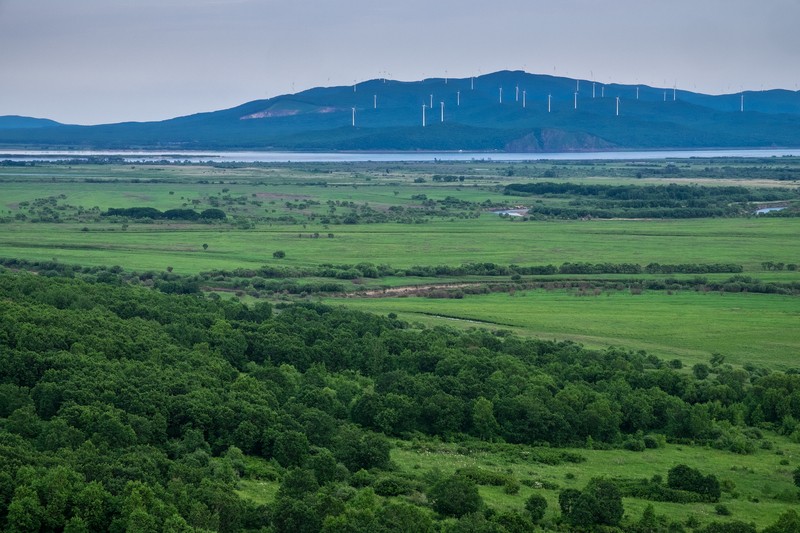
{"points": [[431, 214]]}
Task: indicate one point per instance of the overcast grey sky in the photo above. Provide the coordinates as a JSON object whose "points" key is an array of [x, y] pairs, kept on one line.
{"points": [[97, 61]]}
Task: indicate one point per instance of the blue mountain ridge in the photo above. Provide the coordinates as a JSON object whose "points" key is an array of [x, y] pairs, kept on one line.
{"points": [[389, 115]]}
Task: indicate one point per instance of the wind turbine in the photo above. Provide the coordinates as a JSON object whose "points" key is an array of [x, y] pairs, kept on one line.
{"points": [[458, 98], [472, 83], [354, 117], [617, 105], [431, 102], [549, 97], [374, 101], [675, 92], [602, 91], [576, 100], [423, 115], [577, 86], [441, 105], [516, 94], [501, 95], [637, 92], [524, 93], [593, 84], [741, 103]]}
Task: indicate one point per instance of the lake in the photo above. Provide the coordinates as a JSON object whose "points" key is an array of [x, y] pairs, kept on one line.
{"points": [[328, 157]]}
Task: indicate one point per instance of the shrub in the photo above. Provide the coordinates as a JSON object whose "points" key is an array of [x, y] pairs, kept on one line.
{"points": [[455, 496], [536, 505]]}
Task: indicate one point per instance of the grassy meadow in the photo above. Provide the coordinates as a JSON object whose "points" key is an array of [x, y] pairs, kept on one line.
{"points": [[53, 213], [746, 328]]}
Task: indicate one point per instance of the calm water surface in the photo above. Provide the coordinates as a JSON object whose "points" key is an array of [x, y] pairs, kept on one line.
{"points": [[323, 157]]}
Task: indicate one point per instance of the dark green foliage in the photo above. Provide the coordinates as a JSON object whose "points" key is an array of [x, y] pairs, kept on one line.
{"points": [[123, 407], [536, 505], [650, 201], [682, 477], [455, 496], [170, 214], [599, 503]]}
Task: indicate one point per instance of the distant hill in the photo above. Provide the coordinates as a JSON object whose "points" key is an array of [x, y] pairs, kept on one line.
{"points": [[388, 116], [18, 122]]}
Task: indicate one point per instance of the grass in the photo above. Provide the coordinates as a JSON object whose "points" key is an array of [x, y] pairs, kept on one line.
{"points": [[488, 239], [758, 476], [746, 328]]}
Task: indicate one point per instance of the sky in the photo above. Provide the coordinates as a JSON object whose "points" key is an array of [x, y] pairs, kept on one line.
{"points": [[103, 61]]}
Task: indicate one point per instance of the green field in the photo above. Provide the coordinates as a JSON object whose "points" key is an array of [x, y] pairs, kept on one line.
{"points": [[280, 207], [488, 239], [746, 328]]}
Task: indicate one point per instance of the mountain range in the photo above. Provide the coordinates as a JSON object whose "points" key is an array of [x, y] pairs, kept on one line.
{"points": [[504, 111]]}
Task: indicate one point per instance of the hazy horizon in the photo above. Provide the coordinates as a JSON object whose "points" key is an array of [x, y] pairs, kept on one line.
{"points": [[92, 61]]}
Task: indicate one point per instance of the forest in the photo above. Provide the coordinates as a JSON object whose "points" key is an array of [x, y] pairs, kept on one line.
{"points": [[126, 409]]}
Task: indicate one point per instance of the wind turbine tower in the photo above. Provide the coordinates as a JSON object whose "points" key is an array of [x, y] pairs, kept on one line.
{"points": [[674, 92], [577, 86], [593, 84], [472, 83], [637, 92], [458, 98], [516, 94], [501, 95], [549, 97], [423, 115], [741, 103], [617, 105], [524, 93], [576, 100], [354, 117], [441, 105], [431, 102], [374, 101]]}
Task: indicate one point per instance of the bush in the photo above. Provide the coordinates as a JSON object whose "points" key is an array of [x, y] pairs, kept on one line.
{"points": [[392, 486], [634, 445], [536, 505], [279, 254], [722, 510], [651, 442], [682, 477], [455, 496]]}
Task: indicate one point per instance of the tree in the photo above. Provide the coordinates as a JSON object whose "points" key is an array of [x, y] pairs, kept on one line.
{"points": [[291, 448], [700, 371], [279, 254], [600, 503], [403, 517], [796, 475], [456, 495], [483, 419], [536, 506], [205, 246]]}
